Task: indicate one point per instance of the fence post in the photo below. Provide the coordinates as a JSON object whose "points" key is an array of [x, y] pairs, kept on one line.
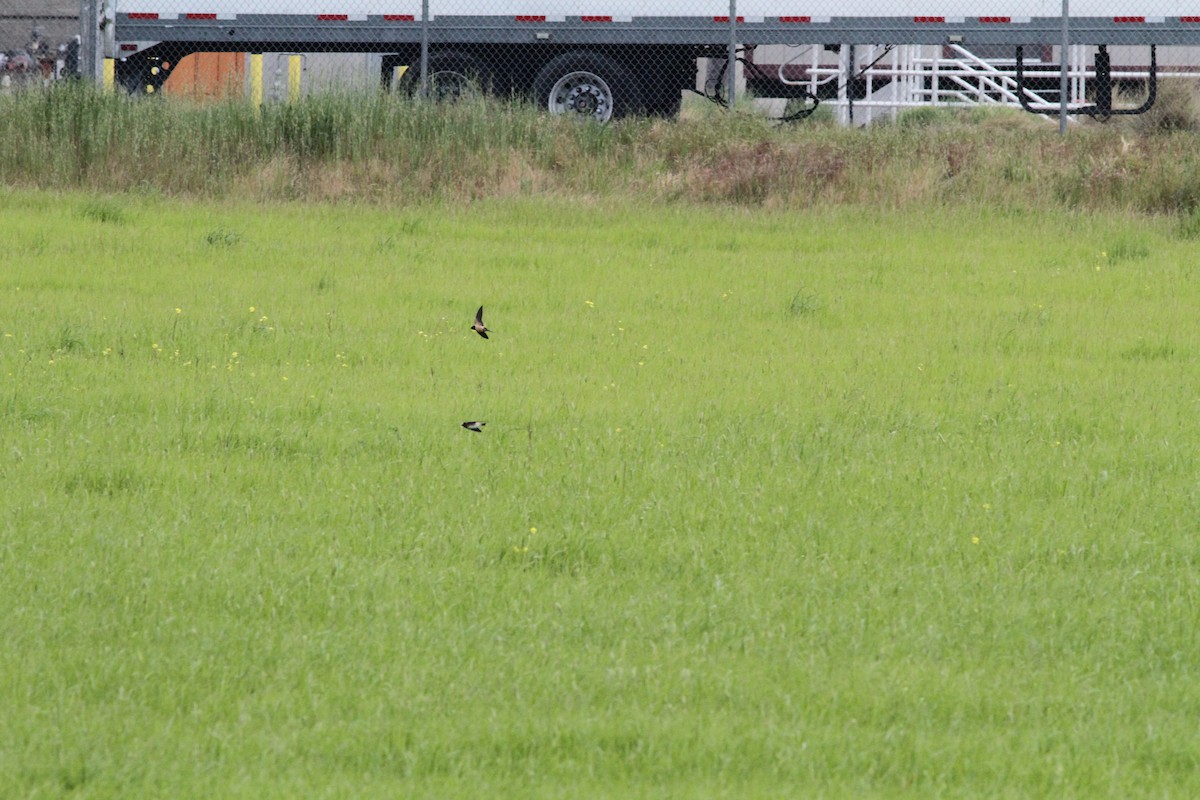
{"points": [[424, 49], [1062, 61], [731, 56], [90, 50], [851, 58], [843, 82]]}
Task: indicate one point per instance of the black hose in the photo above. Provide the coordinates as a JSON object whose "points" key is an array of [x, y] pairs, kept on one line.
{"points": [[716, 95]]}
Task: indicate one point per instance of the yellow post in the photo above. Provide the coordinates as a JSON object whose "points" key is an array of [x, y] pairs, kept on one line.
{"points": [[295, 64], [256, 79], [110, 74]]}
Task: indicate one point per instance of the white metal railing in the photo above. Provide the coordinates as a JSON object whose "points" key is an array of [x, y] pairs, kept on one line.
{"points": [[911, 76]]}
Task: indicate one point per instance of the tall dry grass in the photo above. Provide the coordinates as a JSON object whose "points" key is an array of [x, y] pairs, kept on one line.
{"points": [[379, 148]]}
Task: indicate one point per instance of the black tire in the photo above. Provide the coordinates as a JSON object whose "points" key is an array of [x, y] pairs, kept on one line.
{"points": [[664, 101], [453, 76], [591, 85], [664, 81]]}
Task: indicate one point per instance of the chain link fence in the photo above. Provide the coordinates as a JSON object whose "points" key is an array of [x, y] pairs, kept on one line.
{"points": [[859, 60]]}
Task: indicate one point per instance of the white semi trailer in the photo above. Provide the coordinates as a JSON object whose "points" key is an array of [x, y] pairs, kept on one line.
{"points": [[607, 58]]}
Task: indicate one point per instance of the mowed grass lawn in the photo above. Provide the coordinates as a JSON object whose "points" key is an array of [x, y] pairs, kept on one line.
{"points": [[834, 503]]}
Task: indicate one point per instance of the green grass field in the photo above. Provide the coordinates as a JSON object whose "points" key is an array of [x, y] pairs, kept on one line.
{"points": [[840, 502]]}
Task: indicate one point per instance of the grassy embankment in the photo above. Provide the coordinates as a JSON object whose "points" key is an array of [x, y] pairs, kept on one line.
{"points": [[379, 148]]}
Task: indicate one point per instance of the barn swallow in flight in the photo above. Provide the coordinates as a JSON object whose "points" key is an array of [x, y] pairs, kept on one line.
{"points": [[474, 426], [478, 326]]}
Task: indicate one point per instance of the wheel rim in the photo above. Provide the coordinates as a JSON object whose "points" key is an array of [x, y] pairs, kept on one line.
{"points": [[585, 94]]}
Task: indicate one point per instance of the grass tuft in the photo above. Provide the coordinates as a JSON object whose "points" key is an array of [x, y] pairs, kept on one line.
{"points": [[1148, 351], [1188, 225], [1126, 248], [69, 340], [222, 237], [803, 304], [104, 211]]}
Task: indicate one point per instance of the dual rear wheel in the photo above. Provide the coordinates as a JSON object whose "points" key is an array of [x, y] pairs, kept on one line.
{"points": [[453, 76], [588, 85], [596, 86], [585, 84]]}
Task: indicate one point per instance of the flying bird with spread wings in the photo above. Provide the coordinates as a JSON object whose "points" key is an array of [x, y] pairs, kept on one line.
{"points": [[478, 327]]}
